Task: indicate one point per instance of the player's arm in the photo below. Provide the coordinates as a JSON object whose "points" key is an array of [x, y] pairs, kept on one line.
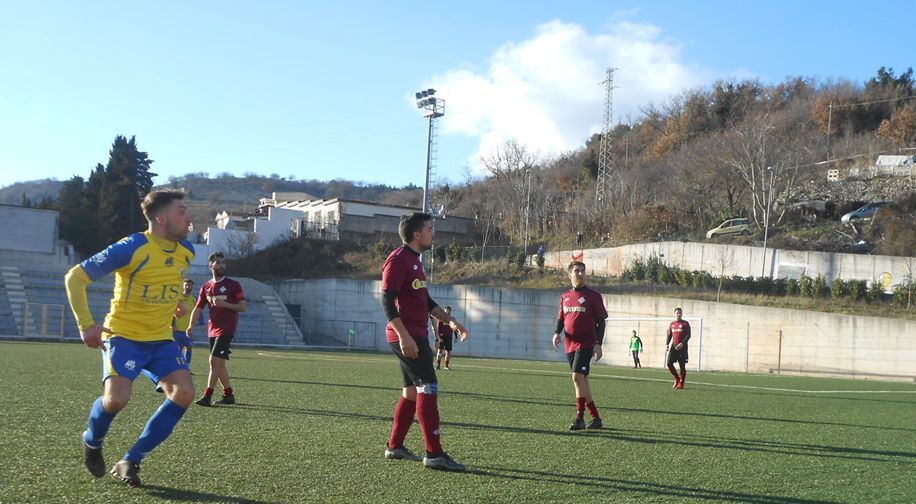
{"points": [[198, 309], [599, 338], [558, 331], [77, 281], [440, 315], [180, 310], [668, 338], [405, 340]]}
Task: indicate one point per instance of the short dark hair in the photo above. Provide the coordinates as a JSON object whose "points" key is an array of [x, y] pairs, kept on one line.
{"points": [[448, 307], [156, 201], [573, 266], [679, 309], [411, 223], [214, 256], [188, 280]]}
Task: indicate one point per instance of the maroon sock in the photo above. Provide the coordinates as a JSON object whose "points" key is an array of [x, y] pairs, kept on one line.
{"points": [[580, 408], [592, 409], [439, 361], [446, 362], [208, 392], [683, 374], [227, 391], [403, 417], [428, 414], [673, 372]]}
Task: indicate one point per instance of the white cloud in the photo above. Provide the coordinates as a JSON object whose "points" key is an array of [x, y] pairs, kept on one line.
{"points": [[546, 93]]}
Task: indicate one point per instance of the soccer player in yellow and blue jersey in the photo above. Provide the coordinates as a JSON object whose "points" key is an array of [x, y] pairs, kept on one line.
{"points": [[186, 303], [149, 268]]}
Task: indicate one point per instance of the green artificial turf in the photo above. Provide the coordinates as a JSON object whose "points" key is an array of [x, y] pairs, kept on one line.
{"points": [[312, 427]]}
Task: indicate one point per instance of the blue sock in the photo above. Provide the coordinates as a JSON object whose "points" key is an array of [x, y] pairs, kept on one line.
{"points": [[158, 428], [187, 355], [98, 424]]}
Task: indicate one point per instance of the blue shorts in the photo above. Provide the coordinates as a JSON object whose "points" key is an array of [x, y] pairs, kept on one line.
{"points": [[127, 358], [182, 339]]}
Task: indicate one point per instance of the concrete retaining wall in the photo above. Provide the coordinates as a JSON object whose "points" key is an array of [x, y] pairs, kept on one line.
{"points": [[743, 261], [518, 324]]}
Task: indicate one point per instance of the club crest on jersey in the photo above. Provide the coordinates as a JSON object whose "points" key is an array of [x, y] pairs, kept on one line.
{"points": [[418, 284], [581, 300], [170, 261], [222, 289]]}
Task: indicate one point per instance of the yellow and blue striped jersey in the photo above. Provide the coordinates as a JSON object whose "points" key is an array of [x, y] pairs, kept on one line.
{"points": [[182, 322], [149, 272]]}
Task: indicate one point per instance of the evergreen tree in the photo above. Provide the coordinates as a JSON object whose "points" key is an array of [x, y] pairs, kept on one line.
{"points": [[124, 182]]}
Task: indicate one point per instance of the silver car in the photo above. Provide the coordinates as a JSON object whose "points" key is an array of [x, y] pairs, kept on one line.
{"points": [[864, 212]]}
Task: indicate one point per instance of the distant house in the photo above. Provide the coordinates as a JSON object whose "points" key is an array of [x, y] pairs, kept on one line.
{"points": [[895, 166], [333, 219]]}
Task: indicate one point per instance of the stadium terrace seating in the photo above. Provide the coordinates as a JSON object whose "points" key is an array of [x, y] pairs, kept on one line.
{"points": [[44, 285]]}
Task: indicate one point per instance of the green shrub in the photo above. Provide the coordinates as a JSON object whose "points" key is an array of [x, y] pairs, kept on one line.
{"points": [[471, 254], [857, 289], [903, 294], [805, 286], [838, 288], [539, 260], [791, 287], [875, 292], [819, 286], [453, 252]]}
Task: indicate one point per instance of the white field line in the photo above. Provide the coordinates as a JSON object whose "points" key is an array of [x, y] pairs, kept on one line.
{"points": [[385, 360]]}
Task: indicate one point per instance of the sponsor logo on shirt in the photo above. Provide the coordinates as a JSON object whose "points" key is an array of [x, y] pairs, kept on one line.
{"points": [[418, 284], [567, 309]]}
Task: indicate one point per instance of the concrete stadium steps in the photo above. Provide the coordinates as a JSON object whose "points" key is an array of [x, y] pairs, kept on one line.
{"points": [[267, 322], [16, 295], [288, 327]]}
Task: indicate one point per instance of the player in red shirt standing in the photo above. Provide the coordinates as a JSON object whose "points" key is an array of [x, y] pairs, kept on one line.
{"points": [[225, 299], [676, 347], [581, 317], [407, 307], [444, 337]]}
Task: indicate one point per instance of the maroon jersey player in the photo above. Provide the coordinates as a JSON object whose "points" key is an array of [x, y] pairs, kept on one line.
{"points": [[407, 307], [676, 346], [225, 300], [581, 317]]}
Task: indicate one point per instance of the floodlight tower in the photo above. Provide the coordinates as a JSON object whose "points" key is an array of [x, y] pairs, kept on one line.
{"points": [[433, 108], [604, 154]]}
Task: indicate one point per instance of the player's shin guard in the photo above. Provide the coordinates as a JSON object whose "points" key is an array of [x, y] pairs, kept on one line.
{"points": [[428, 414], [98, 424], [403, 417], [157, 430]]}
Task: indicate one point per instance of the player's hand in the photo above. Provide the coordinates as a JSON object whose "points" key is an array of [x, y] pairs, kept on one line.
{"points": [[92, 336], [409, 347], [460, 329], [556, 341], [678, 346], [598, 352], [189, 331]]}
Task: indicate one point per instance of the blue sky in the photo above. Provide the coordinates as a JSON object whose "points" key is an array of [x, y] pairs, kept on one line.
{"points": [[325, 90]]}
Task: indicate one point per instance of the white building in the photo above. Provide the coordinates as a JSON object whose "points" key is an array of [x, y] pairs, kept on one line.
{"points": [[332, 219]]}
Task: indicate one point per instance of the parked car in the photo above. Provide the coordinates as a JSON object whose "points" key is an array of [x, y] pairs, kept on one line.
{"points": [[730, 227], [864, 212]]}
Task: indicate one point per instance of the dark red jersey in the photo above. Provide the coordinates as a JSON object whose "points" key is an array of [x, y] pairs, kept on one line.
{"points": [[444, 330], [403, 273], [678, 332], [223, 321], [580, 310]]}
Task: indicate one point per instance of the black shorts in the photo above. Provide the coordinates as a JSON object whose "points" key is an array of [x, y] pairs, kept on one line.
{"points": [[219, 346], [445, 343], [417, 371], [580, 361], [679, 356]]}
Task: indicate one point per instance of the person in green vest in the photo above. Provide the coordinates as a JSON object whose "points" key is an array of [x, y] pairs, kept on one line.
{"points": [[636, 347]]}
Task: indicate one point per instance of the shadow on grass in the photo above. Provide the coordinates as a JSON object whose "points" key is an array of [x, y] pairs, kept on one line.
{"points": [[542, 402], [653, 438], [178, 494], [646, 488]]}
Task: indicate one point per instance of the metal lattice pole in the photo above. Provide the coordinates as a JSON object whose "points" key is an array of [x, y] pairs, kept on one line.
{"points": [[605, 157]]}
